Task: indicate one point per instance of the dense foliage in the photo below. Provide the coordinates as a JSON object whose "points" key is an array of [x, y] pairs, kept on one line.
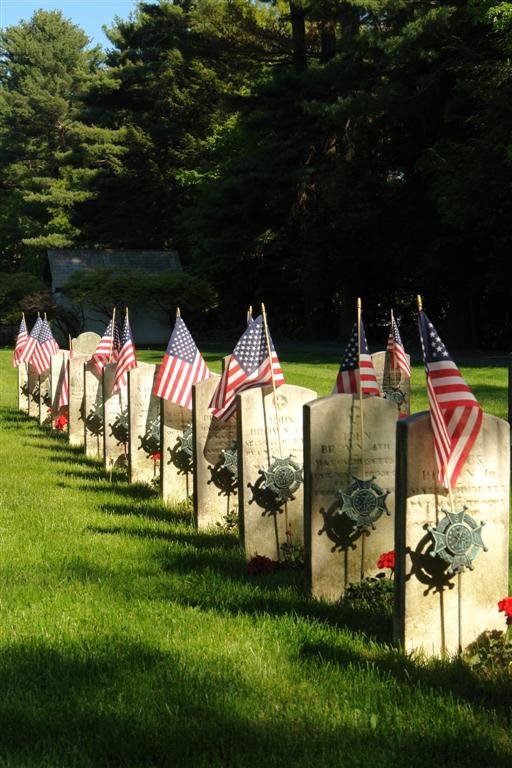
{"points": [[303, 153]]}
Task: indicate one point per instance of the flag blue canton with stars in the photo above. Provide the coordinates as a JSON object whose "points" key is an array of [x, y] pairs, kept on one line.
{"points": [[434, 350], [181, 344], [251, 349]]}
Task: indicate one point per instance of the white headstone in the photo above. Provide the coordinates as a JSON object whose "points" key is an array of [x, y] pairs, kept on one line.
{"points": [[115, 420], [270, 459], [349, 490], [93, 410], [393, 382], [176, 452], [430, 597], [23, 388], [215, 473], [58, 364], [144, 435], [76, 399]]}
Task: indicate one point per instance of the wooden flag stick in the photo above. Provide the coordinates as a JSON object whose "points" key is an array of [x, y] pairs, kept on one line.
{"points": [[112, 335], [364, 534], [269, 352], [360, 387]]}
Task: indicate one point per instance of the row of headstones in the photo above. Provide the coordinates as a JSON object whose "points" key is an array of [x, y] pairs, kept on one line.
{"points": [[379, 466]]}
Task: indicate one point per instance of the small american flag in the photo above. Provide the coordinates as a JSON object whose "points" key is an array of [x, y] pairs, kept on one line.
{"points": [[455, 413], [21, 342], [126, 360], [107, 349], [248, 366], [32, 342], [64, 385], [399, 359], [357, 368], [45, 348], [182, 366]]}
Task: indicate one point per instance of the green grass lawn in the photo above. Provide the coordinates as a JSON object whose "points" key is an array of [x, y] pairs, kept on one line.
{"points": [[129, 639]]}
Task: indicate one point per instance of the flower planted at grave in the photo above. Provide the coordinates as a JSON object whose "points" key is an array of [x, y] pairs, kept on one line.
{"points": [[260, 565], [387, 560], [505, 605], [61, 422]]}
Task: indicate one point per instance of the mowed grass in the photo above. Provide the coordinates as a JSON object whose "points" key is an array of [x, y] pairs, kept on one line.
{"points": [[129, 639]]}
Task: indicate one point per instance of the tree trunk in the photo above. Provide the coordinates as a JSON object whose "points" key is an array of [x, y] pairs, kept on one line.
{"points": [[299, 55], [328, 40]]}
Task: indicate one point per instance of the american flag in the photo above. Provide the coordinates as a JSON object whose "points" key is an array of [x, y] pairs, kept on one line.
{"points": [[32, 342], [64, 386], [357, 367], [399, 359], [45, 348], [126, 359], [182, 366], [21, 342], [455, 413], [248, 366], [107, 349]]}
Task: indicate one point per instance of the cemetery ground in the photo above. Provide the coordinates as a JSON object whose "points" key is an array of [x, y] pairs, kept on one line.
{"points": [[129, 639]]}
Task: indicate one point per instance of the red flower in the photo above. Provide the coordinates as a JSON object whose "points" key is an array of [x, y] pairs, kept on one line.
{"points": [[260, 564], [505, 605], [155, 457], [61, 421], [387, 560]]}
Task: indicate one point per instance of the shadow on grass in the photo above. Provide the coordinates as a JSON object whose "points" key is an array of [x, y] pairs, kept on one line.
{"points": [[214, 577], [124, 703], [450, 676]]}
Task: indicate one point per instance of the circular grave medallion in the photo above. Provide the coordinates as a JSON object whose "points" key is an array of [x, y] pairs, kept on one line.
{"points": [[185, 441], [283, 478], [363, 502], [394, 394], [230, 460], [457, 540]]}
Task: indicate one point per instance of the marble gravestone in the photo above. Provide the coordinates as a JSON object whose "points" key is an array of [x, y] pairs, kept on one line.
{"points": [[45, 402], [269, 474], [393, 383], [58, 365], [430, 544], [176, 452], [33, 391], [76, 399], [144, 431], [85, 343], [349, 490], [115, 421], [93, 411], [23, 388], [215, 474]]}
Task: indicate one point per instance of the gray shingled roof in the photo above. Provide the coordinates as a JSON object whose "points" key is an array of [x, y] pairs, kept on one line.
{"points": [[64, 262]]}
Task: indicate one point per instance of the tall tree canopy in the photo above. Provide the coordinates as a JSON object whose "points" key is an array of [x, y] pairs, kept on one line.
{"points": [[302, 152]]}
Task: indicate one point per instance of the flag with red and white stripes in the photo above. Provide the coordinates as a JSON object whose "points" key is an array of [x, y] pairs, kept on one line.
{"points": [[182, 366], [21, 342], [249, 366], [399, 358], [357, 368], [32, 342], [64, 385], [45, 348], [126, 360], [455, 413], [107, 349]]}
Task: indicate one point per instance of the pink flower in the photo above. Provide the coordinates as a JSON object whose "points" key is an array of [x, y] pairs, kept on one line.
{"points": [[155, 457]]}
